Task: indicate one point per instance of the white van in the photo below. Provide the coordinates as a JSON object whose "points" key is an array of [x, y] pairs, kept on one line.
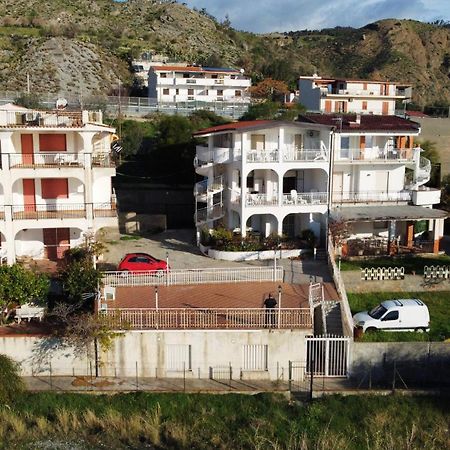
{"points": [[395, 315]]}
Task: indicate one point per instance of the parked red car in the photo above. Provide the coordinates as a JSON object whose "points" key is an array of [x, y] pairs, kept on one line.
{"points": [[141, 262]]}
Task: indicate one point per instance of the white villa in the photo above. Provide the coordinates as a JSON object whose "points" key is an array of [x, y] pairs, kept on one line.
{"points": [[55, 180], [284, 177], [337, 95], [172, 84]]}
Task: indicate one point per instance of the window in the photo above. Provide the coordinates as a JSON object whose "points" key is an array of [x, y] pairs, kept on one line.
{"points": [[190, 91], [255, 357], [345, 147], [52, 142], [365, 86], [163, 75], [166, 91], [393, 315], [177, 91], [53, 188], [238, 93], [251, 181], [219, 91], [178, 357], [364, 105]]}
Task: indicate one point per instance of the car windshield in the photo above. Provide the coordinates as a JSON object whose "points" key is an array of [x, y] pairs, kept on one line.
{"points": [[377, 312]]}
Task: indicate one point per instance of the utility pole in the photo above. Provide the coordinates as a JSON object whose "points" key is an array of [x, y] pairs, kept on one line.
{"points": [[28, 84]]}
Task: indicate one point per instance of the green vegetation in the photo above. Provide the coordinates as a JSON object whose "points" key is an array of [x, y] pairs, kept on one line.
{"points": [[130, 237], [410, 263], [264, 421], [11, 384], [438, 305]]}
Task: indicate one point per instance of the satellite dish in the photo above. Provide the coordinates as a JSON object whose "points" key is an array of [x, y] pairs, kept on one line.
{"points": [[61, 103], [242, 71]]}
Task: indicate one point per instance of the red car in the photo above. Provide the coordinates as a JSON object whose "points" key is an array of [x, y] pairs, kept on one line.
{"points": [[141, 262]]}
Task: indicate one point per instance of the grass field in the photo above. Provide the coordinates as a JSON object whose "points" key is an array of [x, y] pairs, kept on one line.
{"points": [[264, 421], [438, 304], [410, 263]]}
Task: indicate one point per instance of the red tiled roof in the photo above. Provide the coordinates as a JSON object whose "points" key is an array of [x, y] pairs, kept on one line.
{"points": [[191, 69], [416, 114], [368, 122], [234, 126]]}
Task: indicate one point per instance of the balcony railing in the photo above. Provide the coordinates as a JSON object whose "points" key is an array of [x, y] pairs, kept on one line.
{"points": [[51, 160], [294, 154], [262, 156], [305, 198], [49, 211], [375, 154], [58, 160], [107, 209], [208, 318], [371, 196], [50, 119], [208, 214], [203, 187], [261, 200]]}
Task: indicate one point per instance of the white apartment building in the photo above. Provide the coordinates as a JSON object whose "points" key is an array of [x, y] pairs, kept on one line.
{"points": [[172, 84], [55, 180], [285, 177], [336, 95]]}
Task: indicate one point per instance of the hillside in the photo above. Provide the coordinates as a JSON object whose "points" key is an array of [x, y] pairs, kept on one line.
{"points": [[85, 46]]}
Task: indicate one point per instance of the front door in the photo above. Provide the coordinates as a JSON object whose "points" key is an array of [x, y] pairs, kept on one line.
{"points": [[56, 242], [338, 186], [26, 141]]}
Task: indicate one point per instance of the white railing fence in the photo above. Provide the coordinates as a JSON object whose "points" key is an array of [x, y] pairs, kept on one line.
{"points": [[347, 318], [207, 318], [382, 273], [193, 276], [371, 196], [436, 272], [305, 198]]}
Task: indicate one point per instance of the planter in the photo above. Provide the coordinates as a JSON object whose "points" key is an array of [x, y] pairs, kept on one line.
{"points": [[255, 255]]}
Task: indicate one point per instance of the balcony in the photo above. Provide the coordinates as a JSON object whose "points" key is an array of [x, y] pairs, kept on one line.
{"points": [[293, 154], [372, 197], [205, 156], [46, 119], [305, 198], [375, 154], [209, 214], [202, 188], [426, 196], [261, 200], [106, 209], [48, 160], [262, 156]]}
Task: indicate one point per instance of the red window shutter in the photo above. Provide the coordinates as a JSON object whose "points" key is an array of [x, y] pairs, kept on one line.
{"points": [[52, 143], [53, 188]]}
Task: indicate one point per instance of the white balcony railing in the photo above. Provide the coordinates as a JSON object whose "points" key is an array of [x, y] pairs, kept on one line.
{"points": [[261, 200], [296, 154], [194, 276], [53, 159], [205, 186], [371, 196], [209, 213], [305, 198], [208, 318], [49, 211], [375, 154], [205, 156], [262, 156], [29, 118]]}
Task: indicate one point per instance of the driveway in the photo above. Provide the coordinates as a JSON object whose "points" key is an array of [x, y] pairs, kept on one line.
{"points": [[180, 247]]}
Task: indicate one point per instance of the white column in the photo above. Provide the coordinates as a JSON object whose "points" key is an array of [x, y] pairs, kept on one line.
{"points": [[88, 175], [281, 144], [243, 176]]}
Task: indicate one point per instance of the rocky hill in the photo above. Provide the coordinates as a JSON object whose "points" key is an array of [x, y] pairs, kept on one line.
{"points": [[85, 46]]}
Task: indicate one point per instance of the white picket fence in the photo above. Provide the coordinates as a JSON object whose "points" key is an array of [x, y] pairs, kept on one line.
{"points": [[383, 273], [193, 276], [436, 272]]}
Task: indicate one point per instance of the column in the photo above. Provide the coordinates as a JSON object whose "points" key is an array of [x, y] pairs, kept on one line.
{"points": [[243, 175], [280, 144], [410, 234], [88, 175], [438, 232]]}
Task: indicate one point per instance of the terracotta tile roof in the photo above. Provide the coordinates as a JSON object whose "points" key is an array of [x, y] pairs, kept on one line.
{"points": [[233, 126], [227, 295], [193, 69], [368, 122], [416, 114]]}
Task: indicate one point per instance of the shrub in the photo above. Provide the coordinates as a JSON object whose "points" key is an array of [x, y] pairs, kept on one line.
{"points": [[11, 383]]}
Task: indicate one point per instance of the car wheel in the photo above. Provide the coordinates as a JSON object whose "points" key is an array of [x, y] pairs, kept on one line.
{"points": [[371, 330], [420, 330]]}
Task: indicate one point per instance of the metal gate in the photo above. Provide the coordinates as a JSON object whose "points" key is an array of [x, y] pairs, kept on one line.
{"points": [[299, 380], [327, 356]]}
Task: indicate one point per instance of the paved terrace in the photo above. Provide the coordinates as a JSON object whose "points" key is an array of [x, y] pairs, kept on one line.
{"points": [[212, 306]]}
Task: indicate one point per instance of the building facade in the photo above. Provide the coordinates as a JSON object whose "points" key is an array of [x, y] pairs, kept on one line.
{"points": [[55, 174], [173, 84], [332, 95], [273, 177]]}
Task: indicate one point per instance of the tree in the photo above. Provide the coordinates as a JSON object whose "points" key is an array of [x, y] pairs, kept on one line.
{"points": [[11, 382], [430, 152], [79, 275], [31, 101], [265, 110], [270, 89], [174, 130], [18, 286]]}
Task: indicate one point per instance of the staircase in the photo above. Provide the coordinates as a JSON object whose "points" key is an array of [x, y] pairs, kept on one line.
{"points": [[421, 174]]}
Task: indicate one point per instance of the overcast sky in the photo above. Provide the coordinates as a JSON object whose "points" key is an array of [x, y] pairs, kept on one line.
{"points": [[261, 16]]}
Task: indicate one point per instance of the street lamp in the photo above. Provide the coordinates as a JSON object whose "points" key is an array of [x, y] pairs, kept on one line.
{"points": [[279, 305]]}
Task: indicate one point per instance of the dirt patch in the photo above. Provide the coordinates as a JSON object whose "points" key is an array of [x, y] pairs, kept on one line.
{"points": [[87, 382]]}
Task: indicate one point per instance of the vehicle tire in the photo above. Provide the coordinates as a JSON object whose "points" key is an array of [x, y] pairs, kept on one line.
{"points": [[371, 330], [420, 330]]}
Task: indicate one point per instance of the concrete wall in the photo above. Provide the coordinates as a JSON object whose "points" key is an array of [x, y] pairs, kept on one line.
{"points": [[417, 363], [152, 353]]}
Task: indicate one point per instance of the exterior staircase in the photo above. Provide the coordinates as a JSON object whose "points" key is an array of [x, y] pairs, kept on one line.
{"points": [[421, 173]]}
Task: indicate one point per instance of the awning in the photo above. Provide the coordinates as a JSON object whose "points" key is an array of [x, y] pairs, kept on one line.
{"points": [[384, 213]]}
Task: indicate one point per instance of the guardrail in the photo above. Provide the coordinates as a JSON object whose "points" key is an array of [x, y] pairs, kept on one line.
{"points": [[208, 318], [193, 276], [305, 198], [383, 273], [371, 196]]}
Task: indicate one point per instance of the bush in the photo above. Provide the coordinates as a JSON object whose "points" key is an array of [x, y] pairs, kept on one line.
{"points": [[11, 383]]}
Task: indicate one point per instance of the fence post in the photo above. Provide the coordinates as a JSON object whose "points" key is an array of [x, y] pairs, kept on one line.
{"points": [[137, 378], [231, 373], [184, 376], [90, 372], [51, 380], [393, 378], [290, 376]]}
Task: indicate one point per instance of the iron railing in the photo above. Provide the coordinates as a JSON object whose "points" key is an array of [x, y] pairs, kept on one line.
{"points": [[193, 276], [261, 200], [58, 160], [305, 198], [49, 211], [371, 196], [208, 318], [296, 154], [375, 154]]}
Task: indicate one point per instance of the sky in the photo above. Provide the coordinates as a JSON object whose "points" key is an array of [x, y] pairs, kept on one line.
{"points": [[263, 16]]}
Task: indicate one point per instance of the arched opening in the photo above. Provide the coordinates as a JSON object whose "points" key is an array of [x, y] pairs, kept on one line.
{"points": [[299, 225], [262, 224], [261, 187], [305, 186]]}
